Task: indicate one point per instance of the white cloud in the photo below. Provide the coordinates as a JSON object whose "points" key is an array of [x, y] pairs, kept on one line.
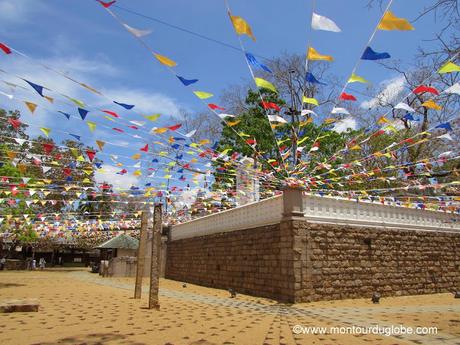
{"points": [[110, 176], [15, 11], [145, 102], [392, 89], [345, 124]]}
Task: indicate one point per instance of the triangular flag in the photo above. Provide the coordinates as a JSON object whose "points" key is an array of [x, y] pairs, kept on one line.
{"points": [[91, 154], [65, 114], [31, 106], [83, 113], [404, 106], [262, 83], [453, 89], [106, 4], [357, 79], [323, 23], [91, 125], [337, 110], [449, 68], [5, 48], [126, 106], [370, 54], [36, 87], [430, 104], [186, 82], [391, 22], [45, 130], [100, 144], [241, 26], [308, 100], [202, 94], [312, 54], [165, 60], [153, 117], [309, 77], [137, 32]]}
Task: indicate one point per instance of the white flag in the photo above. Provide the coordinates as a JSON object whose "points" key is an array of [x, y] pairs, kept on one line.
{"points": [[307, 111], [453, 89], [404, 106], [337, 110], [276, 118], [191, 133], [445, 136], [137, 32], [323, 23]]}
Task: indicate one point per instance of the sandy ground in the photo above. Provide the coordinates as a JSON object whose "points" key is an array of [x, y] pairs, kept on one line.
{"points": [[77, 307]]}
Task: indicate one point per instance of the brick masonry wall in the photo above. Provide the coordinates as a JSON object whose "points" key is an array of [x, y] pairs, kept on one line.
{"points": [[350, 262], [253, 261], [297, 261]]}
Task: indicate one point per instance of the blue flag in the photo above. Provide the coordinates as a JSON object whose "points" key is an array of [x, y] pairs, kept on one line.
{"points": [[65, 114], [186, 82], [369, 54], [83, 113], [36, 87], [126, 106], [309, 77], [445, 125], [253, 61]]}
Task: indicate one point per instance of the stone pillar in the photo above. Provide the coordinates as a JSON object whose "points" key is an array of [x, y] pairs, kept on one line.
{"points": [[295, 233], [141, 254], [293, 202]]}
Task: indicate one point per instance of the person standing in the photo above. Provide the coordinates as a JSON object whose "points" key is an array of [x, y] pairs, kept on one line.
{"points": [[2, 263], [34, 265], [42, 263]]}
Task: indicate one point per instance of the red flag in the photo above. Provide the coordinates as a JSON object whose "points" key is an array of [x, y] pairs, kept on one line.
{"points": [[251, 141], [48, 147], [114, 114], [118, 130], [214, 106], [14, 123], [347, 97], [145, 148], [173, 128], [67, 171], [133, 127], [379, 132], [5, 48], [270, 105], [91, 154], [423, 88], [106, 4]]}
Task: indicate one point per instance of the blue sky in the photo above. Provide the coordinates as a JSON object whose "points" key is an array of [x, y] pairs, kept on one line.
{"points": [[80, 38]]}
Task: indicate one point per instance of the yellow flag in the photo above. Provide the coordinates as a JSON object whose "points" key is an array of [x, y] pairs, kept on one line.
{"points": [[160, 130], [382, 120], [165, 60], [356, 79], [430, 104], [313, 101], [31, 106], [391, 22], [204, 142], [234, 123], [449, 68], [76, 101], [100, 144], [109, 118], [136, 156], [11, 155], [153, 117], [137, 173], [91, 125], [90, 88], [241, 26], [202, 94], [262, 83], [49, 99], [46, 131], [75, 152], [314, 55], [329, 120], [356, 147]]}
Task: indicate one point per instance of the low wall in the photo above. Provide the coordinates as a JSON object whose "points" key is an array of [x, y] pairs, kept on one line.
{"points": [[338, 262], [248, 261], [299, 261]]}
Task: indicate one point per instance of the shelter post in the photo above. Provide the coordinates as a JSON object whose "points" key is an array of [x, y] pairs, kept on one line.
{"points": [[155, 267]]}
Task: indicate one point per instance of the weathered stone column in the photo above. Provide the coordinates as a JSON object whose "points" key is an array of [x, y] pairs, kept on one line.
{"points": [[296, 253], [141, 254]]}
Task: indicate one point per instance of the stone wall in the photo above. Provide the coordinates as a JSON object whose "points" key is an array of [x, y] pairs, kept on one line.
{"points": [[349, 262], [253, 261], [297, 261]]}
